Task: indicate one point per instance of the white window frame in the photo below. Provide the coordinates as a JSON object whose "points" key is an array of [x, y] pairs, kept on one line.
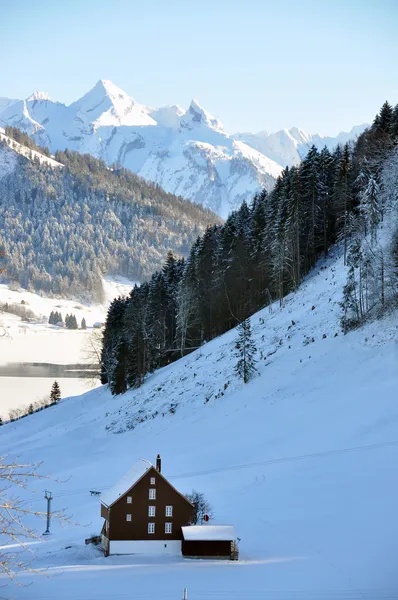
{"points": [[128, 518], [129, 499], [151, 511], [151, 528], [152, 494], [153, 481], [168, 528], [169, 511]]}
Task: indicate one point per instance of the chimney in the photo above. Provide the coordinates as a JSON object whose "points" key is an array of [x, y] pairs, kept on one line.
{"points": [[158, 464]]}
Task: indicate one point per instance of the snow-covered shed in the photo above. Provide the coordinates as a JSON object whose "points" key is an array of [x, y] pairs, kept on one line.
{"points": [[209, 541]]}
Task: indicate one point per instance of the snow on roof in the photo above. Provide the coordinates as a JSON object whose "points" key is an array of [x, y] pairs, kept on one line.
{"points": [[212, 533], [126, 482]]}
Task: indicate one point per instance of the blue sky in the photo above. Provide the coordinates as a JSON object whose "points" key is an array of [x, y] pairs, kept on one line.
{"points": [[320, 65]]}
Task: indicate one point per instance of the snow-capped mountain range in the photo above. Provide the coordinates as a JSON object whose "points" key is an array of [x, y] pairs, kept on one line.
{"points": [[187, 152]]}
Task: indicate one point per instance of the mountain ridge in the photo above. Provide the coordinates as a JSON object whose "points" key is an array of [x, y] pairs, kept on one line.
{"points": [[187, 152]]}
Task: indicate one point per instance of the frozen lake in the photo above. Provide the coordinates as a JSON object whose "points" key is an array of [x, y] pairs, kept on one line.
{"points": [[40, 344]]}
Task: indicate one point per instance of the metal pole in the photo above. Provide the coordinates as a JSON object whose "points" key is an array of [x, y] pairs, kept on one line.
{"points": [[185, 594], [48, 497]]}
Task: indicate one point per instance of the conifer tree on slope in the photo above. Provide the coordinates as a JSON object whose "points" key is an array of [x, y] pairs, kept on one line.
{"points": [[245, 351], [55, 395]]}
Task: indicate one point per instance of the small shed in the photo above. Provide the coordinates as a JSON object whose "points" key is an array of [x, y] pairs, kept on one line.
{"points": [[209, 541]]}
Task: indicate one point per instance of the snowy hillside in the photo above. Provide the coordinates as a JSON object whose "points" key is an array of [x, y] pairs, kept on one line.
{"points": [[288, 146], [301, 461], [124, 225]]}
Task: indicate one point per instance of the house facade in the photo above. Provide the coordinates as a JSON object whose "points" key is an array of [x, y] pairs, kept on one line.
{"points": [[144, 513]]}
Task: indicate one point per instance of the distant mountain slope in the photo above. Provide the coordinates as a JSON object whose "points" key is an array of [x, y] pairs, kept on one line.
{"points": [[64, 224], [289, 146], [187, 152]]}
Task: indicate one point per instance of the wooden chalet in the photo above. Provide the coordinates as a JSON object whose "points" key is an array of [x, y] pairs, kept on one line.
{"points": [[144, 513]]}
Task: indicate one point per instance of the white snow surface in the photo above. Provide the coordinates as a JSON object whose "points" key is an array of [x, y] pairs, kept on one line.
{"points": [[301, 461], [212, 533], [130, 478]]}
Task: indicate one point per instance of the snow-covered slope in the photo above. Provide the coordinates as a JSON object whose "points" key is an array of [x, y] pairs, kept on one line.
{"points": [[300, 460], [8, 158], [288, 146], [187, 152]]}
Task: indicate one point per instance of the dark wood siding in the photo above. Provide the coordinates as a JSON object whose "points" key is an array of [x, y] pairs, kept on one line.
{"points": [[206, 548], [137, 528], [104, 512]]}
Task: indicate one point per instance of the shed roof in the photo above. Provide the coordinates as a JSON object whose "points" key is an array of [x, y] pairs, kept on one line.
{"points": [[130, 478], [213, 533]]}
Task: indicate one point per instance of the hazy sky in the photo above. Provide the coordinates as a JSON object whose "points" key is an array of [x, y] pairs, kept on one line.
{"points": [[321, 65]]}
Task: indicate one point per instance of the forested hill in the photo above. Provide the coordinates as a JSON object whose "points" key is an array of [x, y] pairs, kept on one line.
{"points": [[262, 253], [62, 229]]}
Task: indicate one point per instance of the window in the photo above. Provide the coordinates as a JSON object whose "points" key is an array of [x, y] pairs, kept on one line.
{"points": [[152, 494], [151, 527], [128, 517], [153, 481], [168, 527], [151, 511], [129, 499], [169, 511]]}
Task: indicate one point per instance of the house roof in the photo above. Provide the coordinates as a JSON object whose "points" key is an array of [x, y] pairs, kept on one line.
{"points": [[219, 533], [130, 478]]}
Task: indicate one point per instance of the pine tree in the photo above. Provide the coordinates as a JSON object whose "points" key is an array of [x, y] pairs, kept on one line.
{"points": [[55, 395], [245, 352], [30, 409], [83, 323], [384, 120], [1, 421], [350, 304], [371, 207]]}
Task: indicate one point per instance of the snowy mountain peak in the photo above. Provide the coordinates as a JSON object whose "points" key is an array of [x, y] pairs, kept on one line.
{"points": [[197, 116], [38, 96], [107, 87], [108, 105]]}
